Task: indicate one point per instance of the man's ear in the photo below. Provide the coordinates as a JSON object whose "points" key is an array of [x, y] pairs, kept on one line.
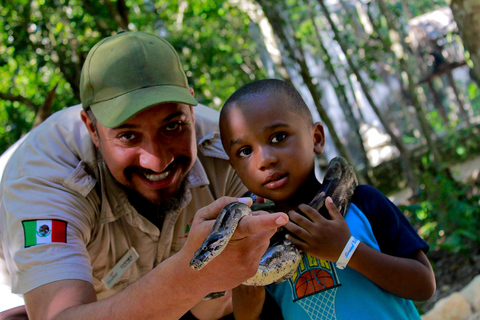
{"points": [[193, 114], [318, 138], [90, 127], [191, 107]]}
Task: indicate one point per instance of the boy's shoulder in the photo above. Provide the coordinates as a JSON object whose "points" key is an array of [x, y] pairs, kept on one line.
{"points": [[379, 210], [366, 192], [370, 200], [393, 231]]}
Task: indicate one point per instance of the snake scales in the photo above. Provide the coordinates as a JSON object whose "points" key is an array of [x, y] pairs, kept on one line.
{"points": [[282, 258]]}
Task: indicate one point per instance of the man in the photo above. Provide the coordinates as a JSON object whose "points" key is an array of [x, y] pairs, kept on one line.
{"points": [[102, 206]]}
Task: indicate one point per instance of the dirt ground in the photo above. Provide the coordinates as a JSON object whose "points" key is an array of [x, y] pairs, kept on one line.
{"points": [[452, 273]]}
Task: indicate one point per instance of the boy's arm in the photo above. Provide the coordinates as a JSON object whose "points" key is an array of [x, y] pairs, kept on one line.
{"points": [[255, 303], [408, 277], [248, 302]]}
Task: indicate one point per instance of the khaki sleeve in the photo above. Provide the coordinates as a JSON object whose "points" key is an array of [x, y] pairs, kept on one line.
{"points": [[32, 258]]}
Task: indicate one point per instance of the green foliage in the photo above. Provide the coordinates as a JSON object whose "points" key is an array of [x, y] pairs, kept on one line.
{"points": [[214, 43], [458, 145], [474, 97], [420, 7], [44, 44], [447, 212]]}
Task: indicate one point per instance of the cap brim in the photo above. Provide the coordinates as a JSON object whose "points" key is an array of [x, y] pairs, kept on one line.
{"points": [[114, 112]]}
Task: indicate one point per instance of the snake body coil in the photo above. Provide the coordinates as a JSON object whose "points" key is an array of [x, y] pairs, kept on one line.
{"points": [[281, 259]]}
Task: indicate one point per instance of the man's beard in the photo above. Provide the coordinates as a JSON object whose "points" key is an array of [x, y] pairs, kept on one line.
{"points": [[156, 211]]}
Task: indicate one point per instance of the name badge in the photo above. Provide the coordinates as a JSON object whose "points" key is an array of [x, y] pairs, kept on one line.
{"points": [[119, 269]]}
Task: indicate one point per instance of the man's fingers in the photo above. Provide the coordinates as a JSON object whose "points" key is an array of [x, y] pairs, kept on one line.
{"points": [[211, 211], [250, 225]]}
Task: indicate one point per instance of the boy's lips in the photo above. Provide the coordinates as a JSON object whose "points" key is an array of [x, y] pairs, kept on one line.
{"points": [[275, 180]]}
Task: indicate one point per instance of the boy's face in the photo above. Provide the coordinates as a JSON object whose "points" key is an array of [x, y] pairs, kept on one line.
{"points": [[271, 148]]}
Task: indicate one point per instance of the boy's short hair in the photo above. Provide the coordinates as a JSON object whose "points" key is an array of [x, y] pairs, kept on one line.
{"points": [[270, 87]]}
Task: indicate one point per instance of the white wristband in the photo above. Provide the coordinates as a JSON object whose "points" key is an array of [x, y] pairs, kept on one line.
{"points": [[347, 252]]}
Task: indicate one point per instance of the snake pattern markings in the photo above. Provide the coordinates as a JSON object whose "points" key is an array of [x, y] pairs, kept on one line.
{"points": [[282, 258]]}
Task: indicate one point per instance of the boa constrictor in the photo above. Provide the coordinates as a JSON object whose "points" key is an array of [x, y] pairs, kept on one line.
{"points": [[281, 259]]}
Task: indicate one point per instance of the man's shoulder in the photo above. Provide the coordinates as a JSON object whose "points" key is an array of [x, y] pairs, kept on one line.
{"points": [[206, 121], [208, 133], [60, 143]]}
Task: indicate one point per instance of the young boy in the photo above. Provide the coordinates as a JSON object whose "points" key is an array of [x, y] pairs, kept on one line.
{"points": [[268, 132]]}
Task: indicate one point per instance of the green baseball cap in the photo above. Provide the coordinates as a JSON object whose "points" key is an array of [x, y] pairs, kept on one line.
{"points": [[129, 72]]}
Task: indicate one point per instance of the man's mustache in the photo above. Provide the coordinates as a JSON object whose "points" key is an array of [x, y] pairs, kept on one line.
{"points": [[180, 161]]}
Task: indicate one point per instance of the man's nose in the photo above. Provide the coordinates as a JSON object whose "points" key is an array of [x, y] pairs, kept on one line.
{"points": [[155, 157]]}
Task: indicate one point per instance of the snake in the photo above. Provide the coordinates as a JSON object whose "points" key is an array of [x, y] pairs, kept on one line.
{"points": [[282, 258]]}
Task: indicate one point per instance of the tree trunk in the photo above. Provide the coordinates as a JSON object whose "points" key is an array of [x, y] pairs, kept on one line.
{"points": [[349, 13], [262, 33], [44, 111], [344, 104], [406, 163], [467, 16], [273, 12], [399, 48]]}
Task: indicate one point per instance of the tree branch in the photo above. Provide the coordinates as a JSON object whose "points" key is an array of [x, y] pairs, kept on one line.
{"points": [[44, 111], [10, 97]]}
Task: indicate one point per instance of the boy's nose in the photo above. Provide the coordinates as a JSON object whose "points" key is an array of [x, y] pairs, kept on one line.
{"points": [[266, 158]]}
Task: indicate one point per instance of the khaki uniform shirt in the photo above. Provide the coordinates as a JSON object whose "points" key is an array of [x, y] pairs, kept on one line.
{"points": [[56, 173]]}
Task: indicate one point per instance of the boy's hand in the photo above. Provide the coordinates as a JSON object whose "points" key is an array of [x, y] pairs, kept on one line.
{"points": [[316, 235]]}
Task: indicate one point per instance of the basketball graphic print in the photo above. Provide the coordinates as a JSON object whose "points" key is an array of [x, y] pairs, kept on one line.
{"points": [[314, 280], [314, 287]]}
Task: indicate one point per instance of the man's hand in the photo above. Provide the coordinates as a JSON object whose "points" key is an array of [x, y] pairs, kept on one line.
{"points": [[245, 249], [173, 278]]}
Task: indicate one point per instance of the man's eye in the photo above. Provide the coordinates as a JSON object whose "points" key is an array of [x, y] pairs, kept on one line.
{"points": [[244, 152], [278, 137], [128, 136]]}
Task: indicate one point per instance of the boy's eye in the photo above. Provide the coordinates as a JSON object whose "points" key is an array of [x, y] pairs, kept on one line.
{"points": [[245, 152], [278, 137], [173, 126]]}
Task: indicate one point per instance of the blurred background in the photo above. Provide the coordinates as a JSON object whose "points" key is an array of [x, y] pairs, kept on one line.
{"points": [[395, 83]]}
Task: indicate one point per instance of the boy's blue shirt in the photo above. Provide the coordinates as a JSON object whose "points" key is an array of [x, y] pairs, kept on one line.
{"points": [[319, 290]]}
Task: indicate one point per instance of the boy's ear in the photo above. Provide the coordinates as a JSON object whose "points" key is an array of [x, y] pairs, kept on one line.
{"points": [[318, 138]]}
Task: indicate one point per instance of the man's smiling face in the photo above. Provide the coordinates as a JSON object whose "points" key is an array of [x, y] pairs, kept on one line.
{"points": [[152, 152]]}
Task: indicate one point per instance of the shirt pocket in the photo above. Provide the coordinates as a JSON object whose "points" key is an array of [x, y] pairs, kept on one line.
{"points": [[80, 180]]}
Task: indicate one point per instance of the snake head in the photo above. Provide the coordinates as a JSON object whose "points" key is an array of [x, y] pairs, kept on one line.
{"points": [[218, 238], [210, 248]]}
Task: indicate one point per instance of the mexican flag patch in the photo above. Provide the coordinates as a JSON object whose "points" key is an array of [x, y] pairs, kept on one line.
{"points": [[44, 231]]}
